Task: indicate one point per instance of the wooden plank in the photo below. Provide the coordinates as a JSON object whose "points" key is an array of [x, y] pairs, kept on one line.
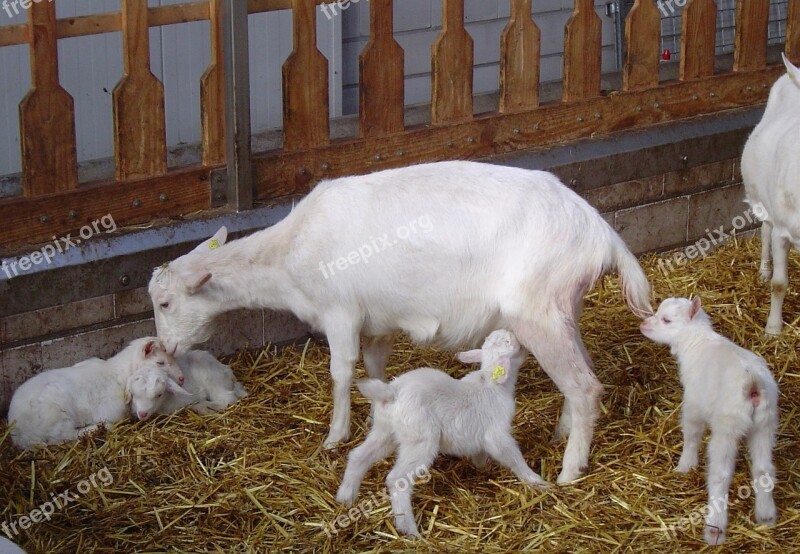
{"points": [[793, 31], [46, 114], [140, 136], [451, 67], [305, 83], [286, 173], [212, 94], [582, 53], [752, 24], [520, 45], [283, 173], [642, 45], [35, 220], [698, 40], [161, 15], [381, 75]]}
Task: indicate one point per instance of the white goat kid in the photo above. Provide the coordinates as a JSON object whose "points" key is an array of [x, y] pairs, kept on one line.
{"points": [[476, 247], [771, 175], [210, 386], [61, 404], [426, 412], [729, 389]]}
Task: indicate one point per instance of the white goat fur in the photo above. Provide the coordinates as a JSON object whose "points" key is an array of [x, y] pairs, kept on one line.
{"points": [[60, 404], [426, 412], [209, 386], [506, 248], [732, 391], [771, 175]]}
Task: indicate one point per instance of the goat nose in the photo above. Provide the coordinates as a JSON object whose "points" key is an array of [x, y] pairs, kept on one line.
{"points": [[180, 380], [142, 415]]}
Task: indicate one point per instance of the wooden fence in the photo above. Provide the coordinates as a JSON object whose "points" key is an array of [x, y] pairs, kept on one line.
{"points": [[54, 203]]}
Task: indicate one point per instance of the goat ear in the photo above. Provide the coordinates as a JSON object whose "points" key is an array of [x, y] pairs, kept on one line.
{"points": [[469, 357], [794, 71], [194, 281], [175, 388], [696, 305], [214, 242], [148, 348], [127, 396]]}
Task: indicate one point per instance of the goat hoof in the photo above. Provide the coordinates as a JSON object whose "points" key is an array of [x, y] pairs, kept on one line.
{"points": [[714, 535], [773, 330], [345, 497], [767, 515]]}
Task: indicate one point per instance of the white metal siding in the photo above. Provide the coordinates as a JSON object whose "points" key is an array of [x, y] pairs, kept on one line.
{"points": [[90, 67]]}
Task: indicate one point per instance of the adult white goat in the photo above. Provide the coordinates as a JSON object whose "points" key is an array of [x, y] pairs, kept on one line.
{"points": [[771, 175], [444, 252]]}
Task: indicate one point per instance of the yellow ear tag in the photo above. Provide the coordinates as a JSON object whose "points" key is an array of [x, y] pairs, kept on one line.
{"points": [[213, 244], [498, 372]]}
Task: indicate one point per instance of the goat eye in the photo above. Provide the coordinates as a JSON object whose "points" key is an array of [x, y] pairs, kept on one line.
{"points": [[164, 305], [665, 320], [159, 363]]}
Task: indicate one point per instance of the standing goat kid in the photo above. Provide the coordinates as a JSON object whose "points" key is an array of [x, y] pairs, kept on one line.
{"points": [[443, 252], [771, 175], [729, 389], [426, 412]]}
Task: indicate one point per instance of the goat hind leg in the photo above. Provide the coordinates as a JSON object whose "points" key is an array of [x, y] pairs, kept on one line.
{"points": [[343, 341]]}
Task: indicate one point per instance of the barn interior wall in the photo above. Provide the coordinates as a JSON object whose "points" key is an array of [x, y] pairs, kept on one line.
{"points": [[660, 188]]}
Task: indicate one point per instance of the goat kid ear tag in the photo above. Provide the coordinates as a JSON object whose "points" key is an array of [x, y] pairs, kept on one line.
{"points": [[213, 244], [498, 372]]}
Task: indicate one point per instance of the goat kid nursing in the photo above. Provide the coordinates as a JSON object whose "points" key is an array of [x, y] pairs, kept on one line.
{"points": [[426, 412], [732, 391], [444, 252], [771, 175]]}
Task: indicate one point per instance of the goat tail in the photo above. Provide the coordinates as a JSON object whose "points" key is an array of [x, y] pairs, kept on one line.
{"points": [[635, 286], [375, 390]]}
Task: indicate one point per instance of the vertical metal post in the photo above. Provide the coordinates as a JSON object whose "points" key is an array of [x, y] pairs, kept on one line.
{"points": [[237, 104]]}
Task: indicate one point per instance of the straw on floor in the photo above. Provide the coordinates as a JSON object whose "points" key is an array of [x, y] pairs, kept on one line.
{"points": [[256, 479]]}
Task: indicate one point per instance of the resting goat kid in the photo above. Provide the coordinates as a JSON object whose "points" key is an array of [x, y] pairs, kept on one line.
{"points": [[210, 386], [426, 412], [729, 389], [60, 404], [444, 252], [771, 175]]}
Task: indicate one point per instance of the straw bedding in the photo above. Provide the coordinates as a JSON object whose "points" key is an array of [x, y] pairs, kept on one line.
{"points": [[255, 478]]}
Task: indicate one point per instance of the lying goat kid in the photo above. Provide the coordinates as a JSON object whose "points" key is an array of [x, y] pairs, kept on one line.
{"points": [[209, 386], [61, 404]]}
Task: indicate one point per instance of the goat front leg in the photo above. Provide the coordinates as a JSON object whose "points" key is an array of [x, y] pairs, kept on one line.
{"points": [[722, 448], [343, 341], [505, 450], [693, 430]]}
